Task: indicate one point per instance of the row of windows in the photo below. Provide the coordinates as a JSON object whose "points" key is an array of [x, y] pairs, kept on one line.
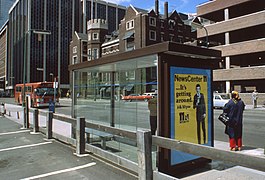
{"points": [[27, 89], [130, 25], [152, 36], [93, 53], [171, 23], [152, 22]]}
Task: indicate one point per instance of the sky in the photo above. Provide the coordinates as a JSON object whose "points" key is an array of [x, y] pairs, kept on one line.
{"points": [[183, 6]]}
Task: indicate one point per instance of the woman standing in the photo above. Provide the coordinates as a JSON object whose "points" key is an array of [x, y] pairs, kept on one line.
{"points": [[232, 109], [239, 124]]}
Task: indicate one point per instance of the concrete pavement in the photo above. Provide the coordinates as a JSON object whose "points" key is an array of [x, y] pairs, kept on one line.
{"points": [[30, 156]]}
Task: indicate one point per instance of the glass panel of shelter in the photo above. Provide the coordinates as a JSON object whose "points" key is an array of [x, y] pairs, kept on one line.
{"points": [[111, 95]]}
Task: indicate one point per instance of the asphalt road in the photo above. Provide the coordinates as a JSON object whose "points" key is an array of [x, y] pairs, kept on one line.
{"points": [[253, 129]]}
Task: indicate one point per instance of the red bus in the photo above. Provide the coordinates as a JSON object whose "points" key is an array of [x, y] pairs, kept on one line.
{"points": [[41, 93]]}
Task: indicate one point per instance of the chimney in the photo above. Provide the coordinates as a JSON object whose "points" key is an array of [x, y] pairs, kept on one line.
{"points": [[157, 6], [166, 10]]}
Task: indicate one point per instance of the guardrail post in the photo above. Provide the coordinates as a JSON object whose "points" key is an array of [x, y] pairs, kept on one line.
{"points": [[49, 125], [24, 118], [73, 135], [35, 120], [26, 114], [80, 136], [144, 145]]}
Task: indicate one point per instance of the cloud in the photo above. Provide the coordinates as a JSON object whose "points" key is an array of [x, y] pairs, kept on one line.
{"points": [[118, 1], [179, 4]]}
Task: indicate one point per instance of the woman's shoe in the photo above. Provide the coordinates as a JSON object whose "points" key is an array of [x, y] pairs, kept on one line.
{"points": [[232, 149], [239, 149]]}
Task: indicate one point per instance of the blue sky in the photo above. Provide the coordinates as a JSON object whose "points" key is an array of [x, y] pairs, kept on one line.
{"points": [[184, 6]]}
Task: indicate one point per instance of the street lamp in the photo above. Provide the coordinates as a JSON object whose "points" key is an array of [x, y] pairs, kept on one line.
{"points": [[25, 60], [197, 24]]}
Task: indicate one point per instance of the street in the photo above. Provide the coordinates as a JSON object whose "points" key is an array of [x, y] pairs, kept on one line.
{"points": [[253, 130]]}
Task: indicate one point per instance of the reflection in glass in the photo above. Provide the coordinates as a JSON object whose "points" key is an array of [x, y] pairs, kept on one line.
{"points": [[100, 97]]}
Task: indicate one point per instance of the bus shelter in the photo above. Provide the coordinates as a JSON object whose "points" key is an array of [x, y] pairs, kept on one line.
{"points": [[178, 78]]}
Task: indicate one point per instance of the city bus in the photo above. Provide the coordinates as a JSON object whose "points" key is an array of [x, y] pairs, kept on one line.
{"points": [[40, 93]]}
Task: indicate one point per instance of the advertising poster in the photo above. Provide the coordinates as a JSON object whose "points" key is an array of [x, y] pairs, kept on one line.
{"points": [[191, 104]]}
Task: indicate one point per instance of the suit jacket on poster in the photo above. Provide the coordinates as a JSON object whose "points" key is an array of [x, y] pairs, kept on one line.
{"points": [[199, 104]]}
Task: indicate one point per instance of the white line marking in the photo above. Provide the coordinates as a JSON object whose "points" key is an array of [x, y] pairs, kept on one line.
{"points": [[15, 132], [61, 171], [81, 155], [26, 146]]}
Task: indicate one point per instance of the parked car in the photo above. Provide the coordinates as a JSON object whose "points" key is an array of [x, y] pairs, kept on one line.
{"points": [[153, 94], [219, 100], [138, 97]]}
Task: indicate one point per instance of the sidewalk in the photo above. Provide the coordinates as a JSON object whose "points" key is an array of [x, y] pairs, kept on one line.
{"points": [[250, 107], [226, 171], [29, 156]]}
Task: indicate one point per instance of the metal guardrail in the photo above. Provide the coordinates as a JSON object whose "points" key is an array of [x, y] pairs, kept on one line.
{"points": [[144, 142], [253, 162]]}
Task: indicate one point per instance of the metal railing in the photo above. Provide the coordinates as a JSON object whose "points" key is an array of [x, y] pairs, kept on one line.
{"points": [[144, 143]]}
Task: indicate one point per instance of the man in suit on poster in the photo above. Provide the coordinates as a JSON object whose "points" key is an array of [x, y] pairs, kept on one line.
{"points": [[199, 104]]}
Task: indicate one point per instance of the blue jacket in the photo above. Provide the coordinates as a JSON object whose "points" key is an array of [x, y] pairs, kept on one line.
{"points": [[231, 108], [240, 109]]}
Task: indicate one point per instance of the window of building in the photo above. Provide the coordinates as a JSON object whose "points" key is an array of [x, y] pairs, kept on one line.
{"points": [[130, 25], [171, 37], [89, 36], [95, 36], [74, 60], [129, 44], [130, 75], [152, 21], [152, 35], [162, 24], [95, 53], [75, 49], [89, 54], [162, 37], [171, 24]]}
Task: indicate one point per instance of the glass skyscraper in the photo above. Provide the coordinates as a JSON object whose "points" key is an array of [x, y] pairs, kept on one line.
{"points": [[47, 56]]}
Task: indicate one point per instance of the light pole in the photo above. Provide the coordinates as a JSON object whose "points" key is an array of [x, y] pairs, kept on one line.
{"points": [[198, 25], [25, 60], [43, 32]]}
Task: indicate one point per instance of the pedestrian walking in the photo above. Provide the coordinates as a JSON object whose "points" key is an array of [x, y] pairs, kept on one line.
{"points": [[234, 110], [255, 98]]}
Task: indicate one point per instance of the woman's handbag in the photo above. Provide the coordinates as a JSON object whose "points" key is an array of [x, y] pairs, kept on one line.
{"points": [[224, 118]]}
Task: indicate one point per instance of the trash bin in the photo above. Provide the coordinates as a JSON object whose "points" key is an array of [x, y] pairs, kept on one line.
{"points": [[51, 106], [2, 109]]}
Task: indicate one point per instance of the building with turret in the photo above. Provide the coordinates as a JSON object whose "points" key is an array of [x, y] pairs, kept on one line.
{"points": [[141, 28]]}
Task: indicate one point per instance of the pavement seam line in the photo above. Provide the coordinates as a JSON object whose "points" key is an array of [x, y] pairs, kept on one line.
{"points": [[14, 132], [25, 146], [61, 171]]}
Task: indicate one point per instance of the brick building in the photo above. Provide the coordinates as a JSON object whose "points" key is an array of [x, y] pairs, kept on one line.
{"points": [[141, 28], [237, 28]]}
